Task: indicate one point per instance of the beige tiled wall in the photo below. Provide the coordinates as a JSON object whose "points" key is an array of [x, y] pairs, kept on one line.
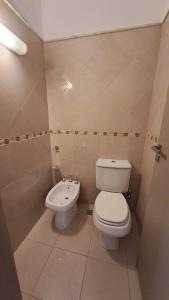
{"points": [[100, 83], [25, 166], [159, 97], [8, 268]]}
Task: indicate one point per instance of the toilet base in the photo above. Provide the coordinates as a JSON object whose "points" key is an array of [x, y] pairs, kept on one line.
{"points": [[63, 219], [109, 242]]}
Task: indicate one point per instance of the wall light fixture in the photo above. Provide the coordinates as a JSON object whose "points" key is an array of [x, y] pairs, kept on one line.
{"points": [[11, 41]]}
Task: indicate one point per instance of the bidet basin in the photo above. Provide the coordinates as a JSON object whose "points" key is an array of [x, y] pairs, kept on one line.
{"points": [[62, 199]]}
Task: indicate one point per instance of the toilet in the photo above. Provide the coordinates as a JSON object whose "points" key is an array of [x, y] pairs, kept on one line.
{"points": [[62, 200], [111, 213]]}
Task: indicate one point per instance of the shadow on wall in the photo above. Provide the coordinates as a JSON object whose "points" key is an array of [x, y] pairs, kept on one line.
{"points": [[135, 183]]}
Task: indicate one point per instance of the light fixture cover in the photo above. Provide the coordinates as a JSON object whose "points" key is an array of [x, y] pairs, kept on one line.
{"points": [[11, 41]]}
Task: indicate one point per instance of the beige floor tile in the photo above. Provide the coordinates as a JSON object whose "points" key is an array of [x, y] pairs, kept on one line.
{"points": [[104, 281], [62, 277], [97, 251], [132, 242], [30, 259], [82, 208], [44, 231], [28, 297], [25, 297], [77, 236], [134, 284]]}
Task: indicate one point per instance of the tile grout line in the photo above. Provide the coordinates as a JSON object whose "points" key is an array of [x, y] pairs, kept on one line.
{"points": [[90, 241], [128, 280], [29, 295], [65, 250], [41, 273], [106, 261], [87, 257], [70, 251], [52, 248], [41, 243], [25, 293], [83, 277], [36, 298]]}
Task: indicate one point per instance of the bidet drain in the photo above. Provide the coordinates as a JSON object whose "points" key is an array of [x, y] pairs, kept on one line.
{"points": [[66, 198]]}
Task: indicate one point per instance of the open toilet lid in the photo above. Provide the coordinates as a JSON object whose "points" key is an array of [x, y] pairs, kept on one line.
{"points": [[112, 208]]}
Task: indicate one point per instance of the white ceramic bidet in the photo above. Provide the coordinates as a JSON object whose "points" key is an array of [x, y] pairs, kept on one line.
{"points": [[62, 199]]}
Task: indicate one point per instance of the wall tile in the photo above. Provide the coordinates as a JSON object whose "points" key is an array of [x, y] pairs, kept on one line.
{"points": [[100, 83], [159, 97], [25, 166]]}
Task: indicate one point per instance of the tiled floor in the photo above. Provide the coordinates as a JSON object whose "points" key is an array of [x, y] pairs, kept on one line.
{"points": [[71, 265]]}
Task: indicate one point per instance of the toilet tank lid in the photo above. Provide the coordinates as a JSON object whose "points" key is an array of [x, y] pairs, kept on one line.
{"points": [[113, 163]]}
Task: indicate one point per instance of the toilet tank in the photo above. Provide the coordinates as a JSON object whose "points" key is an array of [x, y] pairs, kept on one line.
{"points": [[113, 175]]}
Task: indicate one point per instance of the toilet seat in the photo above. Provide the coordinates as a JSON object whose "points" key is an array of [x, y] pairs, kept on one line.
{"points": [[111, 209]]}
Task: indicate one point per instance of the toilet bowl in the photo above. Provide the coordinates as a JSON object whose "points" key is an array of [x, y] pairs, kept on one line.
{"points": [[62, 199], [112, 218], [111, 213]]}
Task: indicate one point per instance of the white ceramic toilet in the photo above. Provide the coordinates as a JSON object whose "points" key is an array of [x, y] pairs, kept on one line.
{"points": [[111, 213], [62, 199]]}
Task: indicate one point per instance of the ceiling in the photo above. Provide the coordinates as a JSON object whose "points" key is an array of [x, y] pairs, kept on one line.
{"points": [[57, 19]]}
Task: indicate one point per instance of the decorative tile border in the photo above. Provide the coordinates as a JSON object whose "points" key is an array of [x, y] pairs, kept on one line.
{"points": [[152, 138], [23, 137], [99, 133], [7, 141]]}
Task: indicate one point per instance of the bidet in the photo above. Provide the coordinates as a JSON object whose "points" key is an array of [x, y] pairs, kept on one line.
{"points": [[62, 199]]}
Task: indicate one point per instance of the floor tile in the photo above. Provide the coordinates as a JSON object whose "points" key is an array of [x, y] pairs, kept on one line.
{"points": [[62, 277], [97, 251], [105, 281], [28, 297], [134, 284], [25, 297], [30, 259], [109, 274], [82, 208], [132, 245], [77, 236], [44, 231]]}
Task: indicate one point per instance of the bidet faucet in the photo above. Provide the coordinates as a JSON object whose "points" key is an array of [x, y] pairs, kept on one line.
{"points": [[63, 178], [70, 178], [76, 180]]}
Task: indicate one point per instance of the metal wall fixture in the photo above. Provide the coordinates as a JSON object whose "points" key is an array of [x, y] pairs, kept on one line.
{"points": [[158, 151], [11, 41], [57, 148]]}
